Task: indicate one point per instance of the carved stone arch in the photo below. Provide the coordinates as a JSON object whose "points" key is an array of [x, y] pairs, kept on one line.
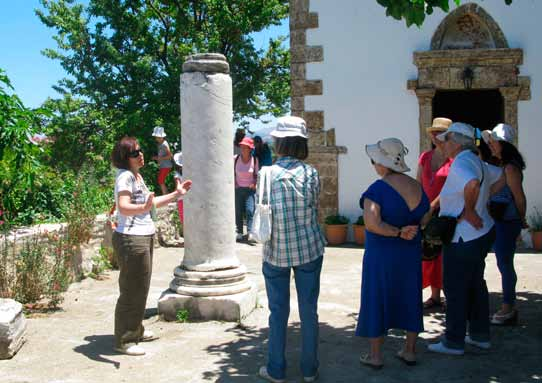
{"points": [[468, 27]]}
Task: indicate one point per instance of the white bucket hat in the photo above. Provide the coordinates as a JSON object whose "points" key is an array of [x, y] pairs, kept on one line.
{"points": [[290, 126], [178, 158], [158, 132], [459, 128], [502, 132], [389, 152]]}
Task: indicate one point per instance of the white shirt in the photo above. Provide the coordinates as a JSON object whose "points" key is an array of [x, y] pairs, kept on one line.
{"points": [[466, 167], [140, 224]]}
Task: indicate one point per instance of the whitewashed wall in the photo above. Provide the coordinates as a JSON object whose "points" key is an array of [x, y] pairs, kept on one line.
{"points": [[367, 62]]}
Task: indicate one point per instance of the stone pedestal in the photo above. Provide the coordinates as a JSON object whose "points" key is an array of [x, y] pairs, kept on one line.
{"points": [[12, 328], [210, 283]]}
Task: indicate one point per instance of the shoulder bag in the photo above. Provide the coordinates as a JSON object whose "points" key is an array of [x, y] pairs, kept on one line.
{"points": [[261, 224]]}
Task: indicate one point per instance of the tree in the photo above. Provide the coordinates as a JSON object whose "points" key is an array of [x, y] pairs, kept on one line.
{"points": [[127, 55], [414, 11]]}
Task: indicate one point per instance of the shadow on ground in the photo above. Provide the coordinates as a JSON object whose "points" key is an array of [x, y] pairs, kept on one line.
{"points": [[97, 348], [516, 355]]}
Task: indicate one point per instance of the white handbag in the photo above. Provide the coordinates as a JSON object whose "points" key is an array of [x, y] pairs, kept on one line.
{"points": [[261, 223]]}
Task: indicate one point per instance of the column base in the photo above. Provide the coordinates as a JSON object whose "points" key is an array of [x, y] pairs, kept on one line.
{"points": [[230, 308]]}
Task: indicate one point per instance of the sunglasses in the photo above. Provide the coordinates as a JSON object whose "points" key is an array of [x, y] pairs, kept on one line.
{"points": [[135, 153], [372, 162]]}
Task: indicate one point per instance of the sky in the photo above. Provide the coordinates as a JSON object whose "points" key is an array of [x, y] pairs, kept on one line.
{"points": [[23, 37]]}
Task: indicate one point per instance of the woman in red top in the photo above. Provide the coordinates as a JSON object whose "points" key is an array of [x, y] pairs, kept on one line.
{"points": [[433, 168]]}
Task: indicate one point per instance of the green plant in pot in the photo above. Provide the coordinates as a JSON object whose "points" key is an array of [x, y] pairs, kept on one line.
{"points": [[336, 229], [359, 231], [535, 226]]}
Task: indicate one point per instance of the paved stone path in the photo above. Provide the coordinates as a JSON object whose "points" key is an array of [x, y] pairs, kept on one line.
{"points": [[75, 345]]}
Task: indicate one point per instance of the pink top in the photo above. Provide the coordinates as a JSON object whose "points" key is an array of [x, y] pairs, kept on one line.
{"points": [[432, 182], [246, 173]]}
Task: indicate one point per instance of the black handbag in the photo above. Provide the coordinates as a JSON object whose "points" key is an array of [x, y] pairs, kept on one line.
{"points": [[440, 230], [497, 209]]}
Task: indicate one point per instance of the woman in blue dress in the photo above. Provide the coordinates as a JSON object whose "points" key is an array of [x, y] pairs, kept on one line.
{"points": [[391, 290]]}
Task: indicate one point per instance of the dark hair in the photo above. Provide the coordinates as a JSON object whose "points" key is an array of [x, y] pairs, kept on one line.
{"points": [[292, 146], [511, 155], [239, 135], [485, 152], [122, 148]]}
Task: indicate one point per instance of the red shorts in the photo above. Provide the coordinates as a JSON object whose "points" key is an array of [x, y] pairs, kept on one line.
{"points": [[432, 273], [162, 174], [180, 209]]}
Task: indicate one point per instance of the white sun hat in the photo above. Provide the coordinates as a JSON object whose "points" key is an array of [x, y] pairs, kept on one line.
{"points": [[178, 158], [290, 126], [158, 132], [459, 128], [502, 132], [389, 152]]}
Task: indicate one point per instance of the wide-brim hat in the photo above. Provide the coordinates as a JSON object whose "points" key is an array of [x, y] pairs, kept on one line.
{"points": [[389, 152], [501, 132], [440, 124], [178, 158], [290, 126], [247, 141], [459, 128], [158, 132]]}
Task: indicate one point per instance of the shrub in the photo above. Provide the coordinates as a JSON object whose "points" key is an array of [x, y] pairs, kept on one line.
{"points": [[336, 220], [360, 220]]}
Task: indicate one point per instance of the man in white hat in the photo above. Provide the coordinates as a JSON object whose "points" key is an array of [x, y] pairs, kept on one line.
{"points": [[465, 195], [163, 158]]}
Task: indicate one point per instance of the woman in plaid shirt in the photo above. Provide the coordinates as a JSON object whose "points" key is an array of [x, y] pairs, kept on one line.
{"points": [[296, 243]]}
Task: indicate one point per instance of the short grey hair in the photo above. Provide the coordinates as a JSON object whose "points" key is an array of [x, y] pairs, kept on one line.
{"points": [[467, 143]]}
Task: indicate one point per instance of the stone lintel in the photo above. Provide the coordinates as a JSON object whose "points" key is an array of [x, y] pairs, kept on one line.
{"points": [[468, 57]]}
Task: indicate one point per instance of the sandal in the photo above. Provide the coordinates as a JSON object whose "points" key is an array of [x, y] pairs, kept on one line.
{"points": [[401, 356], [365, 360], [431, 303]]}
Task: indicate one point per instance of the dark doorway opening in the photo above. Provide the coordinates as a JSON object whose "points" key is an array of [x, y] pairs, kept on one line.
{"points": [[483, 109]]}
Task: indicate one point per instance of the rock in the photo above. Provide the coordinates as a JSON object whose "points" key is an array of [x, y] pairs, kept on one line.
{"points": [[12, 328]]}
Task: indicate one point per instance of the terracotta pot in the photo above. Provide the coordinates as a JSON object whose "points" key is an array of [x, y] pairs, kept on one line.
{"points": [[359, 234], [537, 240], [336, 234]]}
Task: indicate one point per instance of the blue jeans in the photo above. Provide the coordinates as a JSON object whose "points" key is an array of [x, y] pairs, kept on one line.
{"points": [[467, 298], [244, 204], [277, 285], [505, 249]]}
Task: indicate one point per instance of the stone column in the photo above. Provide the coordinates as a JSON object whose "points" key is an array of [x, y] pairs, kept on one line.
{"points": [[510, 97], [425, 100], [210, 283]]}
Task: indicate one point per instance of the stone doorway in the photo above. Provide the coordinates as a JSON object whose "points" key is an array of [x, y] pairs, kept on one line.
{"points": [[469, 56], [481, 108]]}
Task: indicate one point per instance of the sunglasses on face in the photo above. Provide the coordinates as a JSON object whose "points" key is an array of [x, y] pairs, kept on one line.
{"points": [[135, 153], [372, 162]]}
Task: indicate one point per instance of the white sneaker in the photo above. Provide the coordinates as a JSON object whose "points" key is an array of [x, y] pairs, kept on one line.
{"points": [[265, 375], [148, 336], [309, 379], [442, 349], [475, 343], [131, 349], [239, 237], [250, 239]]}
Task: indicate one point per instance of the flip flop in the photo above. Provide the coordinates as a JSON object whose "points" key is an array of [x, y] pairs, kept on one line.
{"points": [[365, 360], [400, 356], [430, 303]]}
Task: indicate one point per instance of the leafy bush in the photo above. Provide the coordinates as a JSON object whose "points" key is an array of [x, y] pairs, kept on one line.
{"points": [[535, 220], [182, 316], [360, 220], [336, 220]]}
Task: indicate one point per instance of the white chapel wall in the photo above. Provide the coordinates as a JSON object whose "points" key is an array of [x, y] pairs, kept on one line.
{"points": [[367, 62]]}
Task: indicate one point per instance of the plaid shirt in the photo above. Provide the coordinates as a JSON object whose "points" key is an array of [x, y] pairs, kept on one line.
{"points": [[296, 237]]}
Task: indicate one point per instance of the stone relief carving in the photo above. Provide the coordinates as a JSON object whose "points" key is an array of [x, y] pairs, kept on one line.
{"points": [[467, 32]]}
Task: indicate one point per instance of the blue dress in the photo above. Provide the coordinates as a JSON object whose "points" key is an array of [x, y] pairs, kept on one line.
{"points": [[391, 287]]}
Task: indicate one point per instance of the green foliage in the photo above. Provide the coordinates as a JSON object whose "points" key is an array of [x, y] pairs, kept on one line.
{"points": [[535, 220], [336, 220], [126, 56], [360, 220], [182, 315], [414, 11], [174, 218], [101, 262]]}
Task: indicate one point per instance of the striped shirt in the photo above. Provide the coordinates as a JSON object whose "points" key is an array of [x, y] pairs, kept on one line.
{"points": [[296, 237]]}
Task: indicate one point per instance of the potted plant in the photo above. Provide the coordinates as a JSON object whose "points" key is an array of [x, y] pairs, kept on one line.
{"points": [[336, 229], [359, 231], [535, 226]]}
